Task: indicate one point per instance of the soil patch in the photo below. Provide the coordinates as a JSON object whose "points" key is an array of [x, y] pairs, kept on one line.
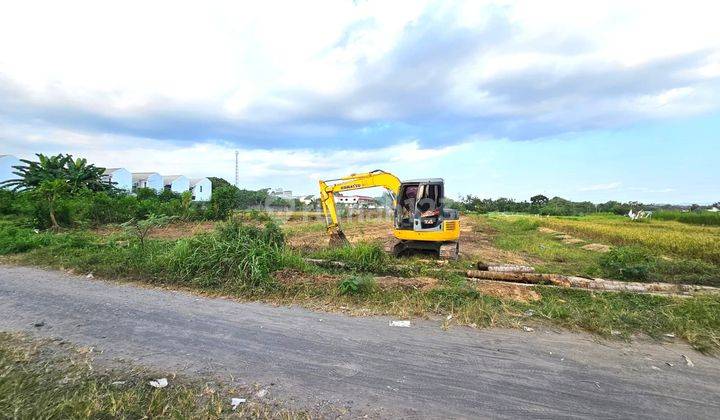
{"points": [[596, 247], [507, 291]]}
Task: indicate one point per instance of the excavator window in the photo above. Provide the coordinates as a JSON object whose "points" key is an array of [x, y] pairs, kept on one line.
{"points": [[419, 201]]}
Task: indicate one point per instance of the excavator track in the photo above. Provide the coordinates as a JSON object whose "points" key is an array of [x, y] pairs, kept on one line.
{"points": [[449, 251]]}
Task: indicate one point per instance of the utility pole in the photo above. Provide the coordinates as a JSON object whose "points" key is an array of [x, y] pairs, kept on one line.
{"points": [[237, 170]]}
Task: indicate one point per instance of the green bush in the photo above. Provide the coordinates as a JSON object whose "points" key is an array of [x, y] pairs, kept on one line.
{"points": [[356, 285], [627, 263]]}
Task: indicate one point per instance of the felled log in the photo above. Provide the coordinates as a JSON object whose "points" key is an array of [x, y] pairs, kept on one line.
{"points": [[535, 278], [326, 263], [505, 268], [593, 284]]}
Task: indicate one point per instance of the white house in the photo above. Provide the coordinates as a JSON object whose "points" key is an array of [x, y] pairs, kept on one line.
{"points": [[201, 189], [176, 183], [356, 200], [6, 167], [147, 180], [121, 178]]}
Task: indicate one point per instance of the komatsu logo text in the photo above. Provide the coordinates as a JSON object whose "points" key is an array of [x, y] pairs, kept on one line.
{"points": [[347, 187]]}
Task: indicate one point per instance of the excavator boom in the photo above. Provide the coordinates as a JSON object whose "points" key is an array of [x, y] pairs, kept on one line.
{"points": [[328, 189]]}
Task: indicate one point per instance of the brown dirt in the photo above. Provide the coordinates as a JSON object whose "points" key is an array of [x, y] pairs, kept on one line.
{"points": [[507, 291], [573, 241], [414, 283], [290, 276], [596, 247], [173, 231], [542, 229]]}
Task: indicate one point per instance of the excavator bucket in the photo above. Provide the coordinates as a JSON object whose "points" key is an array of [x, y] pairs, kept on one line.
{"points": [[338, 238]]}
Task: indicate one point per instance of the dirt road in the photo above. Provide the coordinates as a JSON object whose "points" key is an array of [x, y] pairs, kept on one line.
{"points": [[363, 364]]}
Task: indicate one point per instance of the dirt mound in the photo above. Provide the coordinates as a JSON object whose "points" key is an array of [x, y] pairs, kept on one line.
{"points": [[413, 283], [573, 241], [596, 247], [542, 229], [507, 291], [289, 276]]}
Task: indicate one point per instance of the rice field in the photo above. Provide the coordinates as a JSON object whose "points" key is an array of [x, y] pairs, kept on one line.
{"points": [[660, 236]]}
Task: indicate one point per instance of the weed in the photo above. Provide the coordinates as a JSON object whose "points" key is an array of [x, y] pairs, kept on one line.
{"points": [[356, 285], [627, 263]]}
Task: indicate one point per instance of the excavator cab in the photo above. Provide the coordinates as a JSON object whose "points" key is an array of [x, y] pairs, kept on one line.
{"points": [[421, 218]]}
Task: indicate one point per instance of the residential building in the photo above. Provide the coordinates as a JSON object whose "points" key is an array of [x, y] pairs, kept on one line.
{"points": [[201, 189], [120, 178], [152, 180], [176, 183]]}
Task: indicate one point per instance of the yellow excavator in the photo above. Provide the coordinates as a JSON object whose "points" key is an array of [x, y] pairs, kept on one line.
{"points": [[421, 221]]}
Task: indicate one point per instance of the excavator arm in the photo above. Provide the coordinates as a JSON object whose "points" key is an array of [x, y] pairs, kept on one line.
{"points": [[329, 188]]}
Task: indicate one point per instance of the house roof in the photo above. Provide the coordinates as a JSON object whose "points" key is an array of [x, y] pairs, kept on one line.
{"points": [[138, 176], [195, 181], [167, 179], [108, 171]]}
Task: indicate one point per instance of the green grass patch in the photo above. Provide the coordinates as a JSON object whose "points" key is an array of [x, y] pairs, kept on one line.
{"points": [[362, 256]]}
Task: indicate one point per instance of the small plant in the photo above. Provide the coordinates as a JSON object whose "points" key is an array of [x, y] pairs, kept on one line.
{"points": [[142, 228], [356, 285], [627, 263]]}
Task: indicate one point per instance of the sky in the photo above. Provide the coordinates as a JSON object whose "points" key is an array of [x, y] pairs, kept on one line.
{"points": [[585, 100]]}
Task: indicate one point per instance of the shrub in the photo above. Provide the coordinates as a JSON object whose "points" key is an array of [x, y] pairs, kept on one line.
{"points": [[356, 285], [223, 202], [627, 263]]}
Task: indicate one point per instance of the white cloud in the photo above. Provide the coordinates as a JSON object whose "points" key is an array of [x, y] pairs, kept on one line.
{"points": [[361, 61]]}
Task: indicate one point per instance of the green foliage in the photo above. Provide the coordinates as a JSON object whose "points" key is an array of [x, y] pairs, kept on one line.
{"points": [[627, 263], [77, 174], [235, 255], [356, 285], [706, 218], [223, 201], [49, 192]]}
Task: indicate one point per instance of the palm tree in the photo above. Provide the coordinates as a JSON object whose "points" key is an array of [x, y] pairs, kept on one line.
{"points": [[76, 173]]}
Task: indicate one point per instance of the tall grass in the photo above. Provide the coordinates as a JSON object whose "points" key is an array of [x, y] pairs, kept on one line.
{"points": [[235, 255], [705, 218]]}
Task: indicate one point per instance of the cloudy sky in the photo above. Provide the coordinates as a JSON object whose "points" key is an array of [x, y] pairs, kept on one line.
{"points": [[586, 100]]}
